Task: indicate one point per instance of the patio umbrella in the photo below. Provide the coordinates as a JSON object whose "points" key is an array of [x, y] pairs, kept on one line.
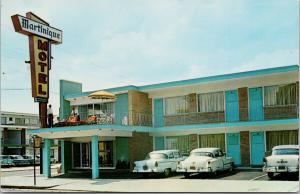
{"points": [[102, 95]]}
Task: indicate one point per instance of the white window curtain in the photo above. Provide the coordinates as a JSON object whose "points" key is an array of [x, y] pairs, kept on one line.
{"points": [[211, 102], [175, 105], [180, 143], [281, 95]]}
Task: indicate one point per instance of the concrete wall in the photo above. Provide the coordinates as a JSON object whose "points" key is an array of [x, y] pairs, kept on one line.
{"points": [[139, 108], [121, 108], [67, 87], [140, 144]]}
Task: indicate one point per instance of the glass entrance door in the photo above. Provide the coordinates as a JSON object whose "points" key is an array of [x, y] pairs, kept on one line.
{"points": [[106, 154], [81, 155]]}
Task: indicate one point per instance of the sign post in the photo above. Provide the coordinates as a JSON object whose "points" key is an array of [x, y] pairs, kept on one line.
{"points": [[41, 37]]}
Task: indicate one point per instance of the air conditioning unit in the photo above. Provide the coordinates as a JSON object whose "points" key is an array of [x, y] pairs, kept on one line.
{"points": [[10, 120]]}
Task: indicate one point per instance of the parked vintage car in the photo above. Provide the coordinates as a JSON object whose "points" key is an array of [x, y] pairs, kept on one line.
{"points": [[31, 160], [6, 161], [284, 159], [18, 160], [161, 161], [208, 160]]}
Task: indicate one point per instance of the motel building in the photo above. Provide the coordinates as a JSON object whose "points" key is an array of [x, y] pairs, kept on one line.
{"points": [[245, 114]]}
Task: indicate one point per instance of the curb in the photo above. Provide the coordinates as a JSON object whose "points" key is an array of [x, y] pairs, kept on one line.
{"points": [[248, 169], [27, 187], [14, 170]]}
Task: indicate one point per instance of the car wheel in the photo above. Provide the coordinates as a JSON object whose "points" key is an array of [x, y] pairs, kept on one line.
{"points": [[270, 175], [186, 175], [167, 172]]}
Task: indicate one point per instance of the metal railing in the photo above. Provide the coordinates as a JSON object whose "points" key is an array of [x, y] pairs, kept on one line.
{"points": [[105, 118], [132, 118]]}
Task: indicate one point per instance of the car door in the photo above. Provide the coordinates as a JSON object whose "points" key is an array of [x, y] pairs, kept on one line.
{"points": [[172, 161], [219, 160], [226, 161]]}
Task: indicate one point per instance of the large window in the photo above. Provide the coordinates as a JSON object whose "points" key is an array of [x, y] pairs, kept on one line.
{"points": [[175, 105], [281, 95], [211, 102], [101, 109], [180, 143], [286, 137]]}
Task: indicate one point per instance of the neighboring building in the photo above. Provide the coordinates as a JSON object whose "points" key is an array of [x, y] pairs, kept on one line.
{"points": [[245, 114], [15, 139]]}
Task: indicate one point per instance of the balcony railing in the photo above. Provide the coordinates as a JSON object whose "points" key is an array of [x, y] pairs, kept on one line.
{"points": [[269, 113], [126, 118]]}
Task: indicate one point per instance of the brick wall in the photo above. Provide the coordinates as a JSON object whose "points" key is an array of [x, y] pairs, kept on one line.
{"points": [[195, 118], [139, 108], [283, 112], [140, 144], [245, 150], [243, 103], [192, 103], [193, 141]]}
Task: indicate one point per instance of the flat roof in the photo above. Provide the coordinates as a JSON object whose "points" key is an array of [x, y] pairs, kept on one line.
{"points": [[145, 88]]}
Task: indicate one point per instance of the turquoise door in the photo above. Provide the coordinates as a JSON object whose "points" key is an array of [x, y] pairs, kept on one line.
{"points": [[256, 104], [158, 113], [257, 148], [159, 143], [233, 147], [232, 106]]}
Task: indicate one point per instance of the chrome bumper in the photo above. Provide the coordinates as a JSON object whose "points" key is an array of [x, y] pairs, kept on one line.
{"points": [[280, 169]]}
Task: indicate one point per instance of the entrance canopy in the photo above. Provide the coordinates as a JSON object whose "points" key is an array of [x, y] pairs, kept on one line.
{"points": [[87, 130]]}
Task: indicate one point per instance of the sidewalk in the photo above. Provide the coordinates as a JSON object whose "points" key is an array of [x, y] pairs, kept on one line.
{"points": [[150, 185], [22, 168]]}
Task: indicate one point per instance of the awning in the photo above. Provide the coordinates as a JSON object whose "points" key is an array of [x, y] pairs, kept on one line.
{"points": [[102, 95]]}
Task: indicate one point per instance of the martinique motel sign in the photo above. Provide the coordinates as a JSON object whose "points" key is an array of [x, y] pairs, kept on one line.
{"points": [[41, 36]]}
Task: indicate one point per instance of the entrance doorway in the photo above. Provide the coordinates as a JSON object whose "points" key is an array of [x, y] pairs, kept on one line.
{"points": [[82, 154], [106, 154]]}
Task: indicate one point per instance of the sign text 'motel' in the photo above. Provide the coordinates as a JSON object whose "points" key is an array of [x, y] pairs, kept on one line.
{"points": [[41, 36]]}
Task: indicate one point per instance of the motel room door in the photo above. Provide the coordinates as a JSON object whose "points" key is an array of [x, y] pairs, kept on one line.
{"points": [[233, 147], [256, 104], [232, 106], [257, 148]]}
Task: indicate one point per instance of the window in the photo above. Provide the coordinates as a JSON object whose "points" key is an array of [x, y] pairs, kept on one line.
{"points": [[10, 119], [3, 120], [171, 156], [211, 102], [176, 105], [180, 143], [281, 95]]}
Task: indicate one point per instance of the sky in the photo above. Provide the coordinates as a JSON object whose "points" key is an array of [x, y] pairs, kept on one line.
{"points": [[111, 43]]}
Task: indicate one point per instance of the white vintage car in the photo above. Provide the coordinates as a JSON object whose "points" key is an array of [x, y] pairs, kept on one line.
{"points": [[205, 160], [161, 161], [284, 159]]}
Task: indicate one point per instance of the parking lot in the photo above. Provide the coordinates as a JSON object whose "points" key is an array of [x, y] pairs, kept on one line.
{"points": [[236, 174]]}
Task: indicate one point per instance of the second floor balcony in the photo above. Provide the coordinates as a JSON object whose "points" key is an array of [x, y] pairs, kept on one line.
{"points": [[106, 118]]}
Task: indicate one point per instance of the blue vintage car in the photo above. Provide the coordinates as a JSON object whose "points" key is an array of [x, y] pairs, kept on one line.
{"points": [[6, 161], [18, 160]]}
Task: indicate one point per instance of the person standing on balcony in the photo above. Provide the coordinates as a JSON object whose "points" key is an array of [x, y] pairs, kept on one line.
{"points": [[50, 116]]}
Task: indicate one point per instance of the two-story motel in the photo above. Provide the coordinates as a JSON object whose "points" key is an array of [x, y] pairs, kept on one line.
{"points": [[245, 114]]}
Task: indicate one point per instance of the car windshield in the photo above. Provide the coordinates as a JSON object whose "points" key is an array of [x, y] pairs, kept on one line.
{"points": [[209, 154], [286, 151], [156, 156]]}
